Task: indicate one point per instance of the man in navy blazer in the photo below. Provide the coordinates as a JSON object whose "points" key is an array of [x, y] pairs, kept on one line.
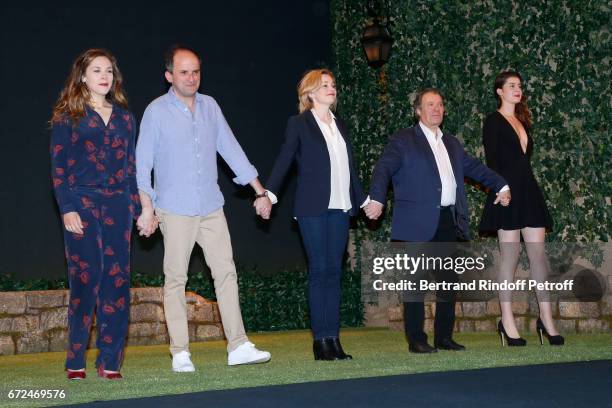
{"points": [[427, 169]]}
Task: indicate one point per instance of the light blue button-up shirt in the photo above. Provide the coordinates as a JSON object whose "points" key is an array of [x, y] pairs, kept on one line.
{"points": [[181, 147]]}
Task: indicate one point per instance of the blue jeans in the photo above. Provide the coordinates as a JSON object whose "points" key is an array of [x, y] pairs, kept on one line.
{"points": [[325, 238]]}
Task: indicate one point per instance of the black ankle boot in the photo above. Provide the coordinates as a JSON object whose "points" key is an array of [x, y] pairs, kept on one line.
{"points": [[557, 340], [323, 350], [337, 348]]}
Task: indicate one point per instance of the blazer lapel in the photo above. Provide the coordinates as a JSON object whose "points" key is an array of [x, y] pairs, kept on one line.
{"points": [[349, 148], [424, 145], [315, 130], [317, 137]]}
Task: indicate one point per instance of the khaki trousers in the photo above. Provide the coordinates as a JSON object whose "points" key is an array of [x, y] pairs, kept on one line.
{"points": [[211, 233]]}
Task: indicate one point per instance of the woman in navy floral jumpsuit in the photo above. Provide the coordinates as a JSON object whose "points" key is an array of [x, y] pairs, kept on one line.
{"points": [[94, 178]]}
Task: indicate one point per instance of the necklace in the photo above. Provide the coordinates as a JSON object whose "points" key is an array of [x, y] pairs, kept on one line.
{"points": [[97, 107]]}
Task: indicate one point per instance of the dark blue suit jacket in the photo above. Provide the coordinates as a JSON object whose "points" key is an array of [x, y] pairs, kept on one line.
{"points": [[304, 143], [409, 163]]}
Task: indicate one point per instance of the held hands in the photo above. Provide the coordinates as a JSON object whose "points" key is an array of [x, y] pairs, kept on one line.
{"points": [[263, 207], [147, 222], [73, 223], [503, 198], [373, 210]]}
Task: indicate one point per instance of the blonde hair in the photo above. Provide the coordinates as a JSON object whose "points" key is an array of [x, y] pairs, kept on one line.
{"points": [[310, 82]]}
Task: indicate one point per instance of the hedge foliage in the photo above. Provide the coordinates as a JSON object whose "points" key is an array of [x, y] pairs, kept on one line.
{"points": [[560, 47], [268, 303]]}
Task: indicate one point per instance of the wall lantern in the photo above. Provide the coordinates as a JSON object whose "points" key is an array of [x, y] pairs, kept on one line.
{"points": [[376, 41]]}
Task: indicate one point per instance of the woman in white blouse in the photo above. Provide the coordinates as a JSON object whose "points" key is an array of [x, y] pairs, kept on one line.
{"points": [[328, 193]]}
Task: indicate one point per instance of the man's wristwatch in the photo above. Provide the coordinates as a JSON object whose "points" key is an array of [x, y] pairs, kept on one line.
{"points": [[264, 194]]}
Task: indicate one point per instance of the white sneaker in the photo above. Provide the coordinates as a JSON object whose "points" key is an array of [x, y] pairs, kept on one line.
{"points": [[181, 363], [246, 353]]}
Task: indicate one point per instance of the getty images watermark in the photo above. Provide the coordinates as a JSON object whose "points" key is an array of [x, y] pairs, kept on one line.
{"points": [[459, 265], [477, 271]]}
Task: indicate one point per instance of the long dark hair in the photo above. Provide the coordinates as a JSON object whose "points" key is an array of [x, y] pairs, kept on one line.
{"points": [[75, 96], [520, 110]]}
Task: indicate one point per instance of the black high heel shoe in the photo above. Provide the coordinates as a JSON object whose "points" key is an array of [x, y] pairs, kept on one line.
{"points": [[557, 340], [512, 342]]}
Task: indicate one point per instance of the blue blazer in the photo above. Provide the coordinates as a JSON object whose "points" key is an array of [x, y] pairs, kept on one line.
{"points": [[410, 164], [304, 143]]}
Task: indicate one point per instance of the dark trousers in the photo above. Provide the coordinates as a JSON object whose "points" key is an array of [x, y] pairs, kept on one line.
{"points": [[99, 277], [325, 238], [414, 311]]}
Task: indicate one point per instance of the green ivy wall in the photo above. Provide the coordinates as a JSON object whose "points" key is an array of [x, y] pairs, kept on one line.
{"points": [[562, 50]]}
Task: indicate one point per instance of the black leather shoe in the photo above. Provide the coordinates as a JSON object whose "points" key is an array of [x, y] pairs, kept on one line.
{"points": [[323, 350], [421, 347], [337, 347], [449, 344]]}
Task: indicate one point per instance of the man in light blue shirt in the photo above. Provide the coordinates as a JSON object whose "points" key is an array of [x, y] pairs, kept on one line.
{"points": [[180, 135]]}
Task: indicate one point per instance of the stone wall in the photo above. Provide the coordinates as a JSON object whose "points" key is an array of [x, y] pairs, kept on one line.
{"points": [[36, 321], [570, 317]]}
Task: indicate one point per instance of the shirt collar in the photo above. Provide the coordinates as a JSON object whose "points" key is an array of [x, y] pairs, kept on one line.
{"points": [[318, 119], [175, 100], [429, 134], [89, 111]]}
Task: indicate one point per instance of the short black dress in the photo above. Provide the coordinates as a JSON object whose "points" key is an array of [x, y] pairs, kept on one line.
{"points": [[505, 155]]}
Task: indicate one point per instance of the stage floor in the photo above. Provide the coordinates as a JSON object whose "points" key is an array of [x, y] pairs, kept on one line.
{"points": [[376, 352], [582, 384]]}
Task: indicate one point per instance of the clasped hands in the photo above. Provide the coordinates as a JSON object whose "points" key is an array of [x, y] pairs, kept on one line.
{"points": [[503, 198], [263, 207], [147, 222], [374, 209]]}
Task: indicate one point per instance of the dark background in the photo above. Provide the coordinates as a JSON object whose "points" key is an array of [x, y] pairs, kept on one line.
{"points": [[253, 52]]}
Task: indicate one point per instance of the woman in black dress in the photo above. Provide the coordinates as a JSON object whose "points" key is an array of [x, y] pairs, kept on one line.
{"points": [[508, 148]]}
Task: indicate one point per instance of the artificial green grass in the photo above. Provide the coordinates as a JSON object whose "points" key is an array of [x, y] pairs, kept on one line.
{"points": [[376, 352]]}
